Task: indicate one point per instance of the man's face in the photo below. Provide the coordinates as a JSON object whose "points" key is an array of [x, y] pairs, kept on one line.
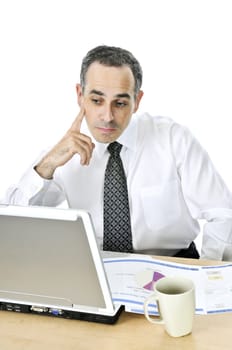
{"points": [[109, 100]]}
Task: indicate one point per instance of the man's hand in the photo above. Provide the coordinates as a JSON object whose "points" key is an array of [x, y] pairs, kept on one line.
{"points": [[73, 142]]}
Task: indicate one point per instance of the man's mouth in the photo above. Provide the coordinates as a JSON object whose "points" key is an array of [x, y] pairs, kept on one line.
{"points": [[106, 129]]}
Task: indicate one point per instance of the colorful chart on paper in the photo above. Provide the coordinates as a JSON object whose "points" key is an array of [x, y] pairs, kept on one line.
{"points": [[146, 279]]}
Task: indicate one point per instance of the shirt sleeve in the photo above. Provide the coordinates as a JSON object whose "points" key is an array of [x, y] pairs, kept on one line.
{"points": [[34, 190], [206, 194]]}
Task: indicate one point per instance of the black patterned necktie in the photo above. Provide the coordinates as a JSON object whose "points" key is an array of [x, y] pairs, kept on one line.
{"points": [[117, 227]]}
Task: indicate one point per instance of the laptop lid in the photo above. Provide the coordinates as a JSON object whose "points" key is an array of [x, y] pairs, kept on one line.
{"points": [[49, 260]]}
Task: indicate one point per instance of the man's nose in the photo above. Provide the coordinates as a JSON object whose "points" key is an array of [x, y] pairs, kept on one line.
{"points": [[107, 114]]}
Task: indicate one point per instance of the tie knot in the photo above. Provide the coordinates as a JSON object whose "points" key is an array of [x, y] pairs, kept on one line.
{"points": [[114, 148]]}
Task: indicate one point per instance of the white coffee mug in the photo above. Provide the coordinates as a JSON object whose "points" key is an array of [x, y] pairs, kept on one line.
{"points": [[175, 298]]}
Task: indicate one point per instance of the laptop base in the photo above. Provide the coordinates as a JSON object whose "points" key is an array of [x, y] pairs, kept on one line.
{"points": [[76, 315]]}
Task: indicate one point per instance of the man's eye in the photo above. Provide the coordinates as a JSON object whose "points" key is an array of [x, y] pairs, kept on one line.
{"points": [[96, 101], [121, 104]]}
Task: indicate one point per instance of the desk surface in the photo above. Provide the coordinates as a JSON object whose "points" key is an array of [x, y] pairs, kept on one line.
{"points": [[132, 331]]}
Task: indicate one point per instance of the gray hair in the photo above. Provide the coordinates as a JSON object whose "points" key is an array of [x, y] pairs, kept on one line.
{"points": [[112, 57]]}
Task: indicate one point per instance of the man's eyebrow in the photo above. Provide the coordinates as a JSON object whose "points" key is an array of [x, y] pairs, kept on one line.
{"points": [[100, 93], [123, 95], [97, 92]]}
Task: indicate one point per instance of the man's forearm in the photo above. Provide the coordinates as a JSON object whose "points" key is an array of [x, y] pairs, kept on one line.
{"points": [[45, 168]]}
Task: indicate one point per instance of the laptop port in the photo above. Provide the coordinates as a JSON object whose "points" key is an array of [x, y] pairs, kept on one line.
{"points": [[9, 307], [56, 312], [39, 309], [14, 307], [17, 308]]}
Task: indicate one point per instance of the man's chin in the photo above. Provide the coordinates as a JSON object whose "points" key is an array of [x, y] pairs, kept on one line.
{"points": [[106, 138]]}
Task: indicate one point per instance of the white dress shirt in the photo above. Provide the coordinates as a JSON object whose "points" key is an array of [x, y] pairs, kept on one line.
{"points": [[172, 184]]}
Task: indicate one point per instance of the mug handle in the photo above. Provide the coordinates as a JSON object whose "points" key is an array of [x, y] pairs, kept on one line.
{"points": [[153, 319]]}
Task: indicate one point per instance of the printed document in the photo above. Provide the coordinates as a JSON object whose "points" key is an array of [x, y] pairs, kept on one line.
{"points": [[132, 279]]}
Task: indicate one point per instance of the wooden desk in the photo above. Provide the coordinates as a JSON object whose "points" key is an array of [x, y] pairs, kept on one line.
{"points": [[34, 332]]}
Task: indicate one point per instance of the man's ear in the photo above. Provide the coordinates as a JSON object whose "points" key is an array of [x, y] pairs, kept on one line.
{"points": [[137, 100], [79, 94]]}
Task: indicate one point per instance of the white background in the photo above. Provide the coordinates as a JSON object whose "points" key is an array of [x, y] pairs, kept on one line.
{"points": [[185, 48]]}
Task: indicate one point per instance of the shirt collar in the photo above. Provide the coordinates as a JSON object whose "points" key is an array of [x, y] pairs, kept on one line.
{"points": [[127, 139]]}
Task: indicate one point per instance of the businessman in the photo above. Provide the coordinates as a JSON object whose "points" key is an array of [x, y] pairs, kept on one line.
{"points": [[146, 181]]}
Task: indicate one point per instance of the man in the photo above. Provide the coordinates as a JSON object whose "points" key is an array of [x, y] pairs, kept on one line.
{"points": [[171, 181]]}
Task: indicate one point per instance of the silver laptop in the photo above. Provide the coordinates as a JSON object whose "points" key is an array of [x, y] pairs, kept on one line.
{"points": [[50, 265]]}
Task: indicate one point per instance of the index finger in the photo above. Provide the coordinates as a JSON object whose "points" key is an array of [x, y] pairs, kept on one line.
{"points": [[76, 125]]}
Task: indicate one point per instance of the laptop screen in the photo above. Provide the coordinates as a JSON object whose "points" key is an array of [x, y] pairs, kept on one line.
{"points": [[49, 256]]}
